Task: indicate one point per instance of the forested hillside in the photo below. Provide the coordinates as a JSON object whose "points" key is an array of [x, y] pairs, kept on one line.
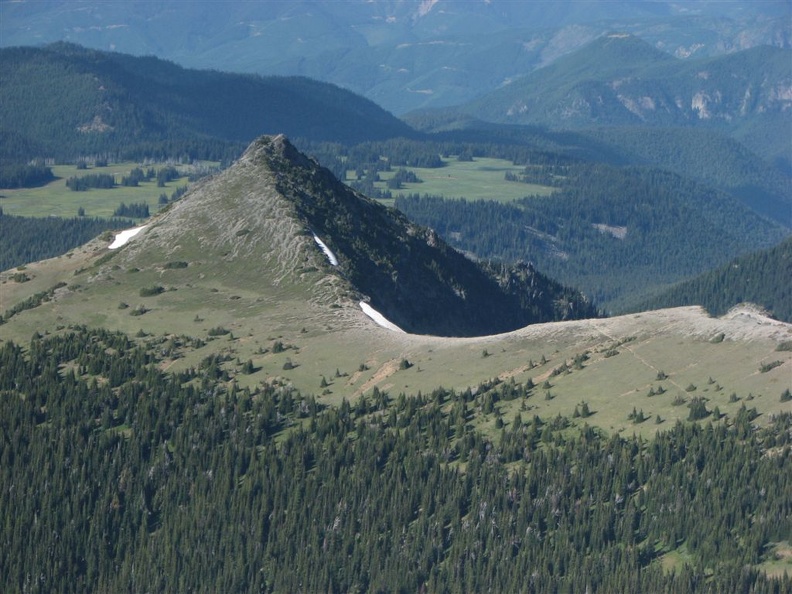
{"points": [[66, 101], [763, 278], [616, 233], [28, 239], [124, 478], [714, 159]]}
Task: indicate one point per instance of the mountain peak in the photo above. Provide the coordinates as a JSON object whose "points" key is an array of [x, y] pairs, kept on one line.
{"points": [[271, 221], [273, 149], [614, 51]]}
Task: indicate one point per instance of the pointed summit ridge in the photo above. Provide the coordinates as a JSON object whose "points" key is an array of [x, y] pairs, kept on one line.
{"points": [[254, 226]]}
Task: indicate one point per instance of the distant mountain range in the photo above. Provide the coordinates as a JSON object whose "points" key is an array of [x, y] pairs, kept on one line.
{"points": [[64, 100], [618, 80], [404, 55]]}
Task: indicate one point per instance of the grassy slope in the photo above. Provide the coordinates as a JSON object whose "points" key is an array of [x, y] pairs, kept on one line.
{"points": [[233, 280], [321, 340]]}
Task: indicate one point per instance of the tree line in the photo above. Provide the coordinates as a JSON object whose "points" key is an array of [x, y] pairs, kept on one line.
{"points": [[30, 239], [119, 477], [24, 176]]}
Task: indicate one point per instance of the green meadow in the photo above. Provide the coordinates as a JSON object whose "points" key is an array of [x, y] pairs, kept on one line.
{"points": [[480, 179], [57, 200]]}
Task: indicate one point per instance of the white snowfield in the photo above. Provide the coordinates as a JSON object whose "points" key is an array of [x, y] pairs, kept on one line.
{"points": [[123, 238], [379, 318], [330, 255]]}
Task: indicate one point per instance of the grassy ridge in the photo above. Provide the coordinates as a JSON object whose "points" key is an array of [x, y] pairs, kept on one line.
{"points": [[620, 359]]}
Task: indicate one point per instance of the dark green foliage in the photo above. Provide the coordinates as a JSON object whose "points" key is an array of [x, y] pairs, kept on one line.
{"points": [[167, 174], [138, 210], [402, 176], [634, 230], [63, 101], [709, 157], [698, 409], [83, 183], [636, 416], [24, 176], [178, 193], [134, 178], [151, 291], [765, 367], [149, 481], [761, 278], [31, 302]]}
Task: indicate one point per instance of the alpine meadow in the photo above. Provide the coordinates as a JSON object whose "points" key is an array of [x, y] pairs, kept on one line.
{"points": [[422, 296]]}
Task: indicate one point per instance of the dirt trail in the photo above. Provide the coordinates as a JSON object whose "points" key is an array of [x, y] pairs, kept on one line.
{"points": [[386, 370]]}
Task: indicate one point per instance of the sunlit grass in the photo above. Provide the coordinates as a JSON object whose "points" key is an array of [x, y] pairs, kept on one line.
{"points": [[57, 200], [482, 178]]}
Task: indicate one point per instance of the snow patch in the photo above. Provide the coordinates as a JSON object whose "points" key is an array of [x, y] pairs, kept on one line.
{"points": [[123, 238], [379, 318], [330, 255]]}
